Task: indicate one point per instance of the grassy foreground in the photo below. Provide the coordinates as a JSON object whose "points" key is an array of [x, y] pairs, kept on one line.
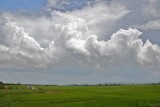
{"points": [[80, 96]]}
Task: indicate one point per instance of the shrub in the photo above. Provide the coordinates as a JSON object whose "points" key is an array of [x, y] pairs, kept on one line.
{"points": [[1, 86]]}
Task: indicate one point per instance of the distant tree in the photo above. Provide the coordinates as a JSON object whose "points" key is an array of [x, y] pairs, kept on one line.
{"points": [[1, 82], [1, 85], [19, 83]]}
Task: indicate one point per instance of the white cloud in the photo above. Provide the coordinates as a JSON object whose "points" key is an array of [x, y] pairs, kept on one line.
{"points": [[151, 9], [124, 45], [149, 56], [56, 4], [78, 46], [153, 1], [69, 40], [153, 24], [17, 46], [150, 12], [101, 17]]}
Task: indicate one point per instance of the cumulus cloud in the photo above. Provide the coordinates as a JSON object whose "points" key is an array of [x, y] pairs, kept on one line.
{"points": [[124, 44], [17, 47], [69, 40], [107, 16], [149, 56], [41, 27]]}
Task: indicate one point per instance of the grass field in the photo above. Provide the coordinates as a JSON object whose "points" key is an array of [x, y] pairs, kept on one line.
{"points": [[80, 96]]}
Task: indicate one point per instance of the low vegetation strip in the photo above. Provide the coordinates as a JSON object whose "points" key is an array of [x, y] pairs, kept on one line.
{"points": [[80, 96]]}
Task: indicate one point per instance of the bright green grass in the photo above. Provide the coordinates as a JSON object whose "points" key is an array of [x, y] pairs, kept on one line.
{"points": [[81, 96]]}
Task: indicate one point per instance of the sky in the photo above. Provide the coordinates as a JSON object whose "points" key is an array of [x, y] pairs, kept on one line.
{"points": [[79, 41], [21, 4]]}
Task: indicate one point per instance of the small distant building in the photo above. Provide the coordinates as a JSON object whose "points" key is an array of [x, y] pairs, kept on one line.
{"points": [[31, 87]]}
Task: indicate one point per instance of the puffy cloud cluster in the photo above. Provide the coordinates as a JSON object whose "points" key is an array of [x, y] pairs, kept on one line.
{"points": [[149, 56], [70, 40], [17, 48]]}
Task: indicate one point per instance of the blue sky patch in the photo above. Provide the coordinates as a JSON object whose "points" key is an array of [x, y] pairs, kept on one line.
{"points": [[21, 4]]}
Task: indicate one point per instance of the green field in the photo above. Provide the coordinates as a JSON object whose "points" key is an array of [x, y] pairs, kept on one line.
{"points": [[80, 96]]}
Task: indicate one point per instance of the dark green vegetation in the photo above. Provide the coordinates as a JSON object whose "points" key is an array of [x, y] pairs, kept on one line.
{"points": [[80, 96]]}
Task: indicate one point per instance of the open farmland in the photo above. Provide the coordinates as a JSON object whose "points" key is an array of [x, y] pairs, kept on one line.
{"points": [[80, 96]]}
